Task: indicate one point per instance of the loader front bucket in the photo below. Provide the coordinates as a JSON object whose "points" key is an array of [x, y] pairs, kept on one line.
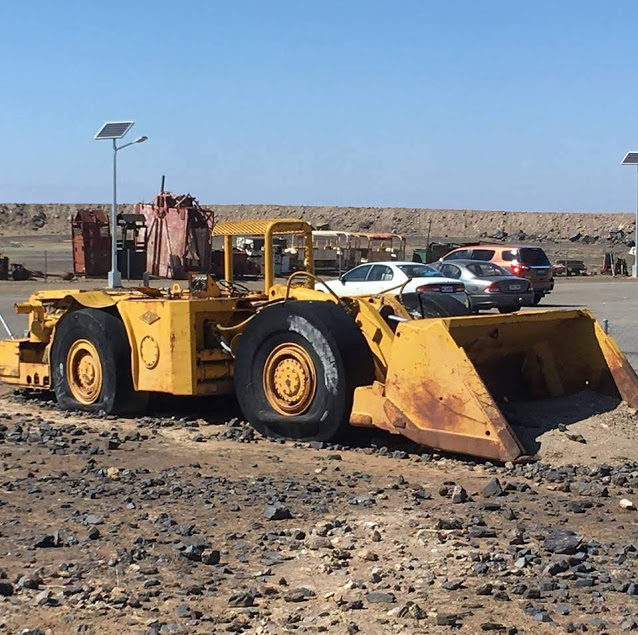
{"points": [[446, 377]]}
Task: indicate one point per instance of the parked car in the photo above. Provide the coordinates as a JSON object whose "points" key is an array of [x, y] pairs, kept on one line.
{"points": [[489, 286], [380, 277], [531, 263]]}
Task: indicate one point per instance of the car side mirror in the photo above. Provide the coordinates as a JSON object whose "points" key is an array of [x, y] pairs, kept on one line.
{"points": [[342, 280]]}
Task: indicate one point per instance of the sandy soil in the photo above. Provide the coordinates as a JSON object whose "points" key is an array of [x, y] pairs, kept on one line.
{"points": [[581, 429], [165, 524]]}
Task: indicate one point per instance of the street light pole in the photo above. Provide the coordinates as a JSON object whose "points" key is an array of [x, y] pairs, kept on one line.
{"points": [[115, 130], [115, 278], [631, 158]]}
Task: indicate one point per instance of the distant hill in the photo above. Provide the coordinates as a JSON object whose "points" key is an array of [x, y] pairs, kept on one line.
{"points": [[21, 218]]}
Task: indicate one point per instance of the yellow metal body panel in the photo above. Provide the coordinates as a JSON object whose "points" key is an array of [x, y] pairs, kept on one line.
{"points": [[621, 370], [96, 299], [10, 361], [446, 377], [169, 346], [21, 364], [175, 347], [262, 227]]}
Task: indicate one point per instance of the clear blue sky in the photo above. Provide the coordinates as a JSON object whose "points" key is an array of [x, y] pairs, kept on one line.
{"points": [[489, 105]]}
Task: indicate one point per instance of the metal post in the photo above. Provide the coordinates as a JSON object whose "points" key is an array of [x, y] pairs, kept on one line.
{"points": [[6, 327], [269, 261], [606, 326], [115, 279], [228, 258]]}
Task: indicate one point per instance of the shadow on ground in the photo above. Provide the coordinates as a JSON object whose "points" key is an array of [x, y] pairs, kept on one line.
{"points": [[530, 420]]}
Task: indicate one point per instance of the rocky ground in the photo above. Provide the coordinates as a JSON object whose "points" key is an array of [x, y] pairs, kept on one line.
{"points": [[186, 524]]}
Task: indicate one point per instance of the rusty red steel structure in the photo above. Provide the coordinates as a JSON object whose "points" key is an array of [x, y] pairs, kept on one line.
{"points": [[91, 239], [179, 235]]}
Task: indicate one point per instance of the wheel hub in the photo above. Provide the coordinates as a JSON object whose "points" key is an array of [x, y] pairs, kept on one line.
{"points": [[290, 379], [84, 372]]}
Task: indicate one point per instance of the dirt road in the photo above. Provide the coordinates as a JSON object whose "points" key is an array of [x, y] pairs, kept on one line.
{"points": [[614, 300]]}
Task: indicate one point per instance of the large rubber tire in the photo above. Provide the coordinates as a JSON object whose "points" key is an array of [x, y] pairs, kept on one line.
{"points": [[435, 305], [537, 298], [106, 333], [339, 353]]}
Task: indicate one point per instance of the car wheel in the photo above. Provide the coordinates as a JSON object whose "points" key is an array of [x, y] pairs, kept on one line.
{"points": [[537, 298]]}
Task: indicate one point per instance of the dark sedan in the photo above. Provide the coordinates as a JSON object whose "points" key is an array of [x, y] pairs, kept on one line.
{"points": [[489, 286]]}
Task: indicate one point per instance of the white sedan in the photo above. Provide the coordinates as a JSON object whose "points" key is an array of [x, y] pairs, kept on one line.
{"points": [[381, 277]]}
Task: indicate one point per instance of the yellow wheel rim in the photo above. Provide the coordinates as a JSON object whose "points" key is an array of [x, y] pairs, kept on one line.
{"points": [[84, 372], [290, 379]]}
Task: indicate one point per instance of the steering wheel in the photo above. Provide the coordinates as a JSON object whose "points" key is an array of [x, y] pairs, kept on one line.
{"points": [[233, 287]]}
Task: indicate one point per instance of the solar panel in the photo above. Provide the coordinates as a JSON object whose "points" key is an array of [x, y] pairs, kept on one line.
{"points": [[630, 159], [114, 129]]}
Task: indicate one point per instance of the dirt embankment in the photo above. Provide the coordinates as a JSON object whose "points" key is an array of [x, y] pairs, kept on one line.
{"points": [[18, 218]]}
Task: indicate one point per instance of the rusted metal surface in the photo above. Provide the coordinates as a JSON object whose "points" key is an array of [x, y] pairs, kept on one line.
{"points": [[435, 390], [91, 238], [179, 233], [446, 377], [624, 375]]}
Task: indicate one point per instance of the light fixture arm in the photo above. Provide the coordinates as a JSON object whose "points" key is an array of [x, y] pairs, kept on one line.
{"points": [[130, 143]]}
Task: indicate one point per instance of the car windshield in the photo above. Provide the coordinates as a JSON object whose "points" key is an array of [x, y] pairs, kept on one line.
{"points": [[487, 270], [419, 271], [534, 257]]}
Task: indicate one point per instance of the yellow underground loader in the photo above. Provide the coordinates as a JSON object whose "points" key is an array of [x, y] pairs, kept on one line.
{"points": [[303, 362]]}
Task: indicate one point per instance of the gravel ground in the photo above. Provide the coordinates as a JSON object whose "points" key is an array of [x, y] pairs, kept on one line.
{"points": [[192, 525]]}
